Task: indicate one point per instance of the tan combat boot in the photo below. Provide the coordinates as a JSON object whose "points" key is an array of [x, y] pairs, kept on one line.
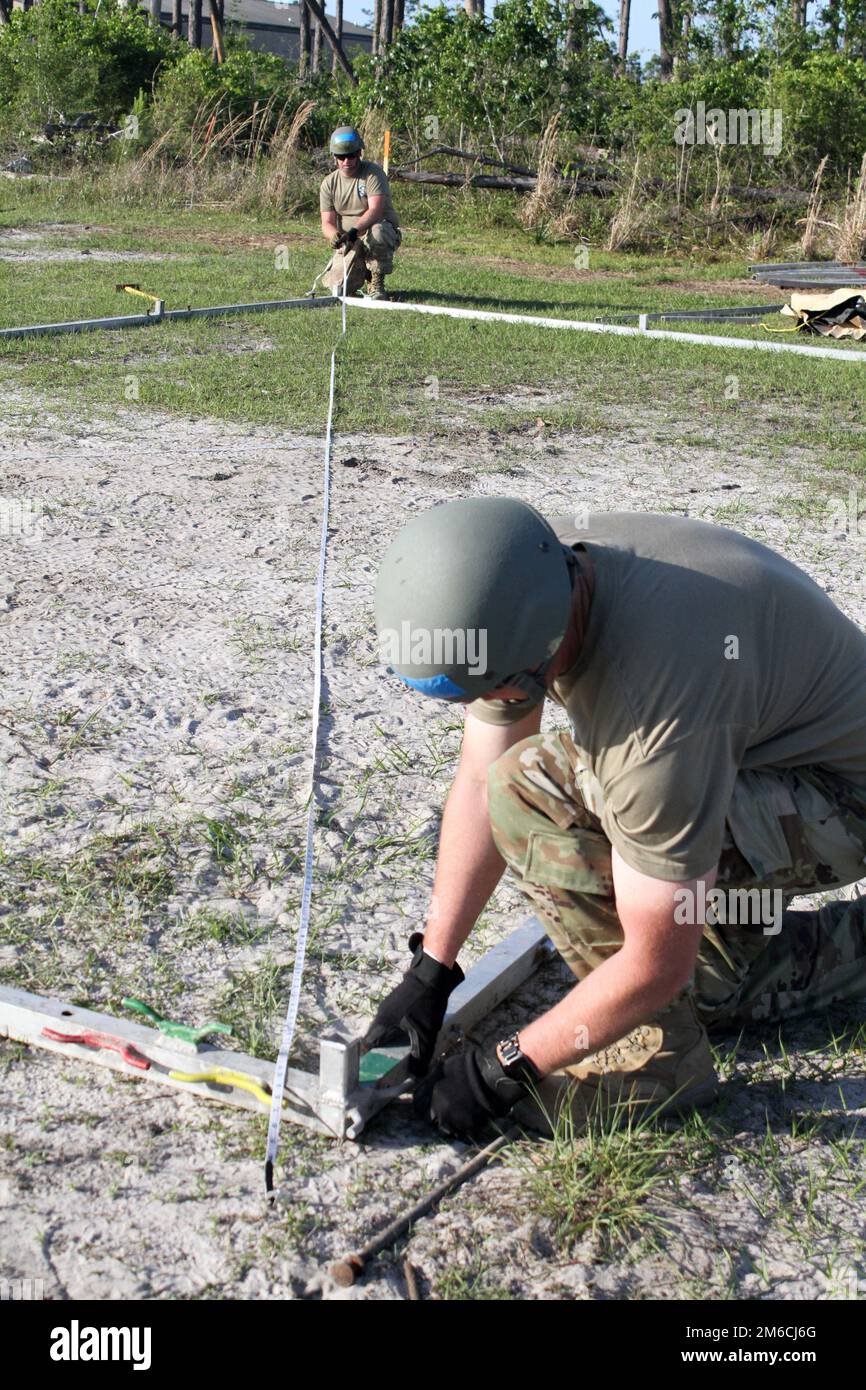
{"points": [[377, 283], [664, 1065]]}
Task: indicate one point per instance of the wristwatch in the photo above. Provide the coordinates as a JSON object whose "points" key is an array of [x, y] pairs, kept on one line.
{"points": [[514, 1063]]}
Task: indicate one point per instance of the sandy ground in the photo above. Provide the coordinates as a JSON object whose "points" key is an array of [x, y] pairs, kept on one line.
{"points": [[154, 746]]}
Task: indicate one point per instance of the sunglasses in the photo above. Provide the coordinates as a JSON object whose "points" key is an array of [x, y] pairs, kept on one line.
{"points": [[345, 156]]}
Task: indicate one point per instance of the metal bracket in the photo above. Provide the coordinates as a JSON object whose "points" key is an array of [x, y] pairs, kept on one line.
{"points": [[334, 1102]]}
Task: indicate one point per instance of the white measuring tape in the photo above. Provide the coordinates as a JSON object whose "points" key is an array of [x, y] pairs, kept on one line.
{"points": [[282, 1063]]}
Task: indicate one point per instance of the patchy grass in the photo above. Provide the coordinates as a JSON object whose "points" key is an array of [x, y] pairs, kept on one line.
{"points": [[474, 1282], [439, 375], [600, 1182]]}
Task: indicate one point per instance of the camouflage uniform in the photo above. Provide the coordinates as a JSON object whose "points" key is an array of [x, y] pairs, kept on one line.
{"points": [[371, 252], [380, 243], [544, 813]]}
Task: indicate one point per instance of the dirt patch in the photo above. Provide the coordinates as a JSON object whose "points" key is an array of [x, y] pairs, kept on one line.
{"points": [[37, 231], [155, 745], [532, 270], [106, 257], [264, 240]]}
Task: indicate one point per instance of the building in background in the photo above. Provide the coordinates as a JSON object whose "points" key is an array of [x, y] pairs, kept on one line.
{"points": [[273, 27], [270, 26]]}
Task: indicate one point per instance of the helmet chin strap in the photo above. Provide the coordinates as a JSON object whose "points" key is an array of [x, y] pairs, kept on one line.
{"points": [[532, 683]]}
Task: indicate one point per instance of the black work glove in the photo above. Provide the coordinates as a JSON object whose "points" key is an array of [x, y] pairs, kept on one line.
{"points": [[469, 1090], [342, 239], [413, 1012]]}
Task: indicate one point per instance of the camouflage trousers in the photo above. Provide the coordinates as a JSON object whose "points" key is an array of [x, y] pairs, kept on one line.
{"points": [[380, 243], [375, 247], [788, 833]]}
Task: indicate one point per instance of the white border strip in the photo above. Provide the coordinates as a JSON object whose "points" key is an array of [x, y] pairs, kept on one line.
{"points": [[705, 339]]}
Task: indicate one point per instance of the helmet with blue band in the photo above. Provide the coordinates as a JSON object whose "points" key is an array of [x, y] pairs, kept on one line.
{"points": [[474, 596], [345, 140]]}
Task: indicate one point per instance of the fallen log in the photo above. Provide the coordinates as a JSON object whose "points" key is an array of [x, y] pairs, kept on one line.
{"points": [[600, 187], [468, 155]]}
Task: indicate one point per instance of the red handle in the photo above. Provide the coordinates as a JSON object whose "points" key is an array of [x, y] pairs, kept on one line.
{"points": [[101, 1040]]}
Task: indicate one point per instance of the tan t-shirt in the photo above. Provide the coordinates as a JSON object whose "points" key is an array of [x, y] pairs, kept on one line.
{"points": [[348, 197], [705, 653]]}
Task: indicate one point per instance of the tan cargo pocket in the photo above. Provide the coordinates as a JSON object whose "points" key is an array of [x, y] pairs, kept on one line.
{"points": [[579, 861], [760, 804]]}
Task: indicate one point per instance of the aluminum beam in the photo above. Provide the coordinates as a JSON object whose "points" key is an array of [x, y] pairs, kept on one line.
{"points": [[335, 1101]]}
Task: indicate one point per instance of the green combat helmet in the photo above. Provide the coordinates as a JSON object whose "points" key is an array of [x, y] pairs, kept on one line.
{"points": [[345, 140], [471, 596]]}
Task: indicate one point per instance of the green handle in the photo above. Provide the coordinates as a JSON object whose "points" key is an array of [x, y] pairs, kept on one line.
{"points": [[175, 1030]]}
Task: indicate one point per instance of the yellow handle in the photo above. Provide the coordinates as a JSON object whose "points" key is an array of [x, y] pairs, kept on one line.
{"points": [[226, 1078], [131, 289]]}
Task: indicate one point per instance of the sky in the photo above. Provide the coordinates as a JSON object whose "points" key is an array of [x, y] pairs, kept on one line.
{"points": [[643, 28]]}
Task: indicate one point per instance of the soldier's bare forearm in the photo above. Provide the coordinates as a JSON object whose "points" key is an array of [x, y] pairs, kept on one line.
{"points": [[468, 869], [614, 998]]}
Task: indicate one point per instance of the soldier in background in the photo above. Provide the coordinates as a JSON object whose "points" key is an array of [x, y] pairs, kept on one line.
{"points": [[358, 215]]}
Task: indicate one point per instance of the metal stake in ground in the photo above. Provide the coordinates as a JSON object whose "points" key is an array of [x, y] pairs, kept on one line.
{"points": [[347, 1270]]}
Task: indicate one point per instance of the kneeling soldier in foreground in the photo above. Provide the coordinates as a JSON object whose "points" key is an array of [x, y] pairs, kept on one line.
{"points": [[715, 767]]}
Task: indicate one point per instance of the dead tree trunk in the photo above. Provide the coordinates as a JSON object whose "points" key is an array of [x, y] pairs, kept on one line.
{"points": [[4, 11], [400, 15], [666, 38], [624, 20], [377, 21], [177, 18], [386, 35], [317, 46], [304, 39], [318, 12], [194, 34], [216, 31], [338, 30], [571, 29]]}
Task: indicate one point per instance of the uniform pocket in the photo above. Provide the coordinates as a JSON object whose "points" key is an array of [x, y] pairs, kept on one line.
{"points": [[579, 861], [759, 803]]}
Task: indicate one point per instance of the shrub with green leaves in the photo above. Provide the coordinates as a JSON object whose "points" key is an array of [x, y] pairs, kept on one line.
{"points": [[494, 81], [823, 105], [55, 62]]}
